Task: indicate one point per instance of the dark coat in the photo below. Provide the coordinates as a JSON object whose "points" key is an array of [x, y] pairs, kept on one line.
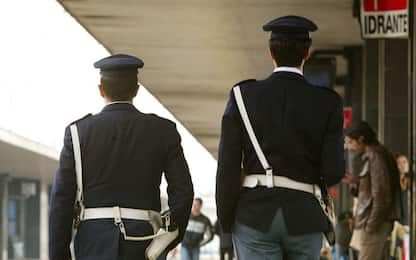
{"points": [[300, 129], [124, 153]]}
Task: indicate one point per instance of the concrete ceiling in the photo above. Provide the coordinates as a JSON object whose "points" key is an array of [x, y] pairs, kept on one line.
{"points": [[23, 158], [195, 50]]}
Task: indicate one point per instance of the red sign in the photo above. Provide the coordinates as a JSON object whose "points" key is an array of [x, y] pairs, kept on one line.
{"points": [[347, 117], [384, 5], [384, 18]]}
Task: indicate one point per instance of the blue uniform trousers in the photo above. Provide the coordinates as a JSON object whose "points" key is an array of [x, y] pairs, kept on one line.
{"points": [[251, 244]]}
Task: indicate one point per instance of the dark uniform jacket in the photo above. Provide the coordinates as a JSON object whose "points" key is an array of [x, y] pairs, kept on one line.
{"points": [[124, 153], [299, 127]]}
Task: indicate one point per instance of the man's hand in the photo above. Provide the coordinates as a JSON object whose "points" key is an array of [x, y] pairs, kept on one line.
{"points": [[349, 179], [333, 193]]}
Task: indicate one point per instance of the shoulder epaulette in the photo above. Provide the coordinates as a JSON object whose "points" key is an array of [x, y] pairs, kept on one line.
{"points": [[80, 119], [244, 81], [327, 89], [159, 118]]}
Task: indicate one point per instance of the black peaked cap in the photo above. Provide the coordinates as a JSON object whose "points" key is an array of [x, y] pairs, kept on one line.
{"points": [[119, 65], [290, 27]]}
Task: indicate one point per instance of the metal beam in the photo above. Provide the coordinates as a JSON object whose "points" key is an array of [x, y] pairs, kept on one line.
{"points": [[381, 89], [412, 118], [44, 220], [364, 83]]}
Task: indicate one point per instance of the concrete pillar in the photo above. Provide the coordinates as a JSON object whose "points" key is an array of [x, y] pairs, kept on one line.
{"points": [[381, 89], [5, 219], [370, 83], [396, 95], [386, 95], [412, 121], [385, 91], [44, 209], [354, 86]]}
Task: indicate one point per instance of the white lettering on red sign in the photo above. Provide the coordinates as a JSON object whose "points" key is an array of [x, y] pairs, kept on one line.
{"points": [[384, 19]]}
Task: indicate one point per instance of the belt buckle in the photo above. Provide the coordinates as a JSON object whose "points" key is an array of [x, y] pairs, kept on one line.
{"points": [[269, 178], [166, 220], [117, 215], [77, 215]]}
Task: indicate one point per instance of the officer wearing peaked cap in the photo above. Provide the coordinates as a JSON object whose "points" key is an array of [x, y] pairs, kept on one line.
{"points": [[288, 134], [110, 168]]}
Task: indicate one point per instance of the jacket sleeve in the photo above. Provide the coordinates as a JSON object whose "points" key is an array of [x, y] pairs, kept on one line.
{"points": [[228, 181], [180, 188], [380, 193], [332, 154], [62, 203]]}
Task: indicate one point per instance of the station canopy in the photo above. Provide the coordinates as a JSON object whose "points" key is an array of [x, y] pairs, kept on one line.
{"points": [[195, 51]]}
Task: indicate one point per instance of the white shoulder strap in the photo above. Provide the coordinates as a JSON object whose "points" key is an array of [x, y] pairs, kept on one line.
{"points": [[252, 135], [78, 163]]}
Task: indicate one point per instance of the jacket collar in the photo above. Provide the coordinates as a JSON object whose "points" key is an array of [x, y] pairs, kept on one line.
{"points": [[372, 151], [119, 106], [288, 75], [288, 69]]}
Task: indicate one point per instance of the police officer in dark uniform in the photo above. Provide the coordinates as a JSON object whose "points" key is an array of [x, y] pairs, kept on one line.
{"points": [[124, 153], [271, 207]]}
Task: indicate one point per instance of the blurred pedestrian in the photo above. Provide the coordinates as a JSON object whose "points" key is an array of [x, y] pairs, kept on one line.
{"points": [[403, 166], [198, 232], [401, 228], [378, 204]]}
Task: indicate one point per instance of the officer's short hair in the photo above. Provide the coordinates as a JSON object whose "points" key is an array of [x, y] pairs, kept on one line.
{"points": [[118, 89], [289, 52]]}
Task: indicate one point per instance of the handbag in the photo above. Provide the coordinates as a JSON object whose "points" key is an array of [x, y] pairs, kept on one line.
{"points": [[355, 242]]}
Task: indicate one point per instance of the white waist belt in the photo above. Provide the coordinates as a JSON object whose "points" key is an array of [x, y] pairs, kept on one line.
{"points": [[116, 212], [252, 181]]}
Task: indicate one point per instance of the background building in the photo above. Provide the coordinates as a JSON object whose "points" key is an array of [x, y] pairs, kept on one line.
{"points": [[194, 51]]}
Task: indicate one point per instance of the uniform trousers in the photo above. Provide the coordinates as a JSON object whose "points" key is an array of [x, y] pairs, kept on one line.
{"points": [[251, 244], [102, 240]]}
